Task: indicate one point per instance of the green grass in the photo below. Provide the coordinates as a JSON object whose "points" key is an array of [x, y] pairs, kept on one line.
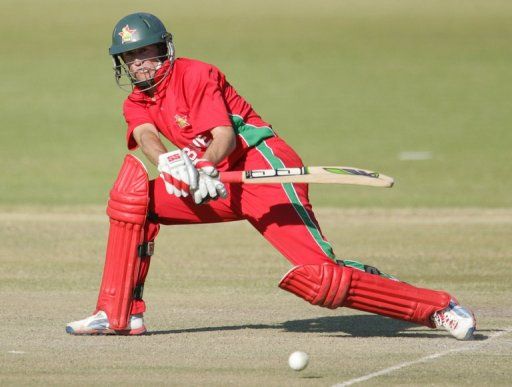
{"points": [[351, 83]]}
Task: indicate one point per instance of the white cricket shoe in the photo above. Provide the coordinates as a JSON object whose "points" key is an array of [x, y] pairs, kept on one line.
{"points": [[457, 320], [98, 324]]}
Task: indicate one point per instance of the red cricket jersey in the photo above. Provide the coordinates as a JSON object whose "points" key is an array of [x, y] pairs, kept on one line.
{"points": [[193, 99]]}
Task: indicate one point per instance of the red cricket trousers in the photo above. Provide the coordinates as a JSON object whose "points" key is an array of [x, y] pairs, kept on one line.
{"points": [[280, 212]]}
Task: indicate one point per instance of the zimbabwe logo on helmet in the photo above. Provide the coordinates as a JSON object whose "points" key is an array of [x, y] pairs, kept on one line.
{"points": [[126, 34]]}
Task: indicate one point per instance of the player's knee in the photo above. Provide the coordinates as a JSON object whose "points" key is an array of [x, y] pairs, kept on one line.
{"points": [[325, 285]]}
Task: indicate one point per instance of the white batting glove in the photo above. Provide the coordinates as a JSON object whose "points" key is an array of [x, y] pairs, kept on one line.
{"points": [[174, 173], [206, 186]]}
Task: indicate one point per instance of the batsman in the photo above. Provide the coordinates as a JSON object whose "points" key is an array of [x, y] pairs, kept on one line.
{"points": [[214, 129]]}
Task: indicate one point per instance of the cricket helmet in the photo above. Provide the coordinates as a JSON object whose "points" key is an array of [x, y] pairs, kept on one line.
{"points": [[135, 31]]}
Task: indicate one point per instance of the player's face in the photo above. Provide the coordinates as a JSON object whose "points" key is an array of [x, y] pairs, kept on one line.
{"points": [[143, 62]]}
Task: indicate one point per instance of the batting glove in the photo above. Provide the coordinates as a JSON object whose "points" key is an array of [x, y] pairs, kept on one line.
{"points": [[206, 186], [174, 173]]}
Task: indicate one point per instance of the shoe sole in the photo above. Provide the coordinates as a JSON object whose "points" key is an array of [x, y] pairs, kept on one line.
{"points": [[469, 334], [107, 332]]}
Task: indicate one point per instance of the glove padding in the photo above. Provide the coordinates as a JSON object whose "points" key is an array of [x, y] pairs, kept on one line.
{"points": [[205, 185], [175, 173]]}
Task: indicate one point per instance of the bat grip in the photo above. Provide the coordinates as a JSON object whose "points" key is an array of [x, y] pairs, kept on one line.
{"points": [[231, 177]]}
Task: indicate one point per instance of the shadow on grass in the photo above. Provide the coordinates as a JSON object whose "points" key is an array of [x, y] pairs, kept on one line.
{"points": [[336, 326]]}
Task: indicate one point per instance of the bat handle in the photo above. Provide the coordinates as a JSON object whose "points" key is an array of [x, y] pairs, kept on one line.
{"points": [[231, 177]]}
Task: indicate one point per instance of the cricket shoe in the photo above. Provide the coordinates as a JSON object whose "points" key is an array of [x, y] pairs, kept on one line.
{"points": [[98, 324], [457, 320]]}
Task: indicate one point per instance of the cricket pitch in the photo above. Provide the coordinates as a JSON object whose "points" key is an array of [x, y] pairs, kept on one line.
{"points": [[216, 316]]}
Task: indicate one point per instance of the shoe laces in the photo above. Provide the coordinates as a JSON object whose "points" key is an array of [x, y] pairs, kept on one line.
{"points": [[446, 319]]}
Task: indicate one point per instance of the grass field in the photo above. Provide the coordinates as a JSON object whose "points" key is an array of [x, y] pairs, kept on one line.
{"points": [[220, 322], [345, 82], [416, 89]]}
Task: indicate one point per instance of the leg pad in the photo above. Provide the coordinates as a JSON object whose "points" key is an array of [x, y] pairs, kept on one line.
{"points": [[127, 210], [332, 286]]}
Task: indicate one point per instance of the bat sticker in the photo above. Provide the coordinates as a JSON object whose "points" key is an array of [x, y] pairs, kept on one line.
{"points": [[347, 171], [256, 173]]}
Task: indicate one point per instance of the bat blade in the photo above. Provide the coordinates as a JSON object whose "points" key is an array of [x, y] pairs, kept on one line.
{"points": [[317, 174]]}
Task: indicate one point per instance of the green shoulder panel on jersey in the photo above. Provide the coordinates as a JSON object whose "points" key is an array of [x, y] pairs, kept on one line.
{"points": [[252, 135]]}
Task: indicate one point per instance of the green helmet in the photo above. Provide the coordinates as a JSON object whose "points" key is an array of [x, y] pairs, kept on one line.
{"points": [[135, 31]]}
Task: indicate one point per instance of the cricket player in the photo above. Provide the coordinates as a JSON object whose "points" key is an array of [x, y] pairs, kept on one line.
{"points": [[215, 129]]}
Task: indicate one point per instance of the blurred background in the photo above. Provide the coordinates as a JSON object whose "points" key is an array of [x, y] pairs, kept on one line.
{"points": [[419, 90]]}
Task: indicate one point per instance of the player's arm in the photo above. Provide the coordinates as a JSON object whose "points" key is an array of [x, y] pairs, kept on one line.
{"points": [[170, 165], [182, 177], [203, 176], [223, 143], [148, 139]]}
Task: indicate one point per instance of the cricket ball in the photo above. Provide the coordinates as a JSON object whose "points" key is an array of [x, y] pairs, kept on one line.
{"points": [[298, 360]]}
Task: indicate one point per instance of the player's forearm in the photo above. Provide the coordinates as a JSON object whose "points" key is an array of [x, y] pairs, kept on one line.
{"points": [[151, 146], [223, 143]]}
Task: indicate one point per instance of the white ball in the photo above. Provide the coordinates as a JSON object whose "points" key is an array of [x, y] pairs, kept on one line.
{"points": [[298, 360]]}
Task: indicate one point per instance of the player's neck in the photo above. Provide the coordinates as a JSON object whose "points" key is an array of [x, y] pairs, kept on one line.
{"points": [[150, 93]]}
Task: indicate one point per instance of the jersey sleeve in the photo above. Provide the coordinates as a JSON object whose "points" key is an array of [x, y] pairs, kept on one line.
{"points": [[205, 98], [134, 115]]}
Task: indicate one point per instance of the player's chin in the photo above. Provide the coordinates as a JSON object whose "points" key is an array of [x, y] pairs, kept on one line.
{"points": [[144, 76]]}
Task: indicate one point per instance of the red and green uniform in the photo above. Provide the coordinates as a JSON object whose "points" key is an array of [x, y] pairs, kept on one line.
{"points": [[188, 104]]}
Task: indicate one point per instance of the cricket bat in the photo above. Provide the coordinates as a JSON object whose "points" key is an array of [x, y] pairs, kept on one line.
{"points": [[322, 175]]}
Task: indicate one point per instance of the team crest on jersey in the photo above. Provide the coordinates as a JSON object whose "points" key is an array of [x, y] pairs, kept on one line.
{"points": [[181, 121], [126, 34]]}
